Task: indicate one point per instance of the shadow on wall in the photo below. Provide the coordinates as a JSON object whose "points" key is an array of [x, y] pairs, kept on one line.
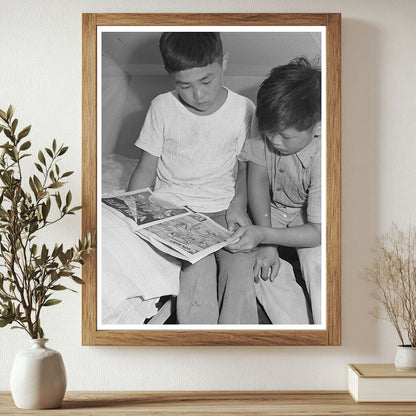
{"points": [[361, 188], [146, 81], [142, 90]]}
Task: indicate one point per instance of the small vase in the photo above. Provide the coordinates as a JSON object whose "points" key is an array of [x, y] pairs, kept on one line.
{"points": [[405, 358], [38, 377]]}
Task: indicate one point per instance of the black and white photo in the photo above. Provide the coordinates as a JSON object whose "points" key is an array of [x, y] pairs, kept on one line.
{"points": [[227, 127]]}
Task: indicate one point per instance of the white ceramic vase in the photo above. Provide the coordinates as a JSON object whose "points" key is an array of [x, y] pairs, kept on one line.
{"points": [[405, 358], [38, 377]]}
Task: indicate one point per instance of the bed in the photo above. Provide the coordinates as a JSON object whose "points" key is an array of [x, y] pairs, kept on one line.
{"points": [[134, 276]]}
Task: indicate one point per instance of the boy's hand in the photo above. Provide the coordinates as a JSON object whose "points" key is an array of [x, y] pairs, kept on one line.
{"points": [[236, 216], [266, 263], [246, 238]]}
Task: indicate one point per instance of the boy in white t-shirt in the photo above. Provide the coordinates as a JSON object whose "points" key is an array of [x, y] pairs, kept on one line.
{"points": [[190, 141]]}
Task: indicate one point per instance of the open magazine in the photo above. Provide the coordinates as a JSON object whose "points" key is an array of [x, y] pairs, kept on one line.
{"points": [[177, 231]]}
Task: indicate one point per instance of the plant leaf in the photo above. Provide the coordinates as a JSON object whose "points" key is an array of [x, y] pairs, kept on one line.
{"points": [[58, 287], [24, 133], [40, 331], [33, 187], [39, 167], [25, 145], [68, 199], [8, 133], [63, 150], [5, 321], [45, 211], [58, 199], [14, 125], [41, 157], [44, 253], [10, 112], [76, 279], [56, 185], [77, 208], [51, 302], [37, 182], [67, 174]]}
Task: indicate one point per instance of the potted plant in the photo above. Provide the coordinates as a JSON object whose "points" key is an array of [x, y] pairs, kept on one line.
{"points": [[31, 273], [393, 276]]}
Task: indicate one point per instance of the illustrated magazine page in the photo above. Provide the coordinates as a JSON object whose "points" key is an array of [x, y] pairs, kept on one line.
{"points": [[177, 231]]}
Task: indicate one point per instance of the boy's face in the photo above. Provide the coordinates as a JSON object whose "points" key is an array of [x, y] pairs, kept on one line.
{"points": [[291, 141], [201, 88]]}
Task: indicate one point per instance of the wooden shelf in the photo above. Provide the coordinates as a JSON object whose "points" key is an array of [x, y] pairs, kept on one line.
{"points": [[179, 403]]}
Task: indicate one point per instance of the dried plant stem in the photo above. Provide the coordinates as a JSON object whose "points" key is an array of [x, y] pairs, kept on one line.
{"points": [[393, 276]]}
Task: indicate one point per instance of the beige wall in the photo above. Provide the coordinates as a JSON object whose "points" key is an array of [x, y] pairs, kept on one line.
{"points": [[41, 75]]}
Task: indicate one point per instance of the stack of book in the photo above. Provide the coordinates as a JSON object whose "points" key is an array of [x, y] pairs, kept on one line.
{"points": [[381, 383]]}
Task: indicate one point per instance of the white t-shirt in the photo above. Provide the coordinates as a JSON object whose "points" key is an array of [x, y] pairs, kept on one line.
{"points": [[197, 154]]}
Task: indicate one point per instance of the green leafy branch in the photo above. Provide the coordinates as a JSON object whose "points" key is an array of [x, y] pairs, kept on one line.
{"points": [[30, 273]]}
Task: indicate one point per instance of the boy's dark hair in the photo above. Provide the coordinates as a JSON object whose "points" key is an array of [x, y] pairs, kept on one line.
{"points": [[290, 97], [186, 50]]}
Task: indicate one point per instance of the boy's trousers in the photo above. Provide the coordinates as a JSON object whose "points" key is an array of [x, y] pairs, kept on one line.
{"points": [[270, 294], [233, 300]]}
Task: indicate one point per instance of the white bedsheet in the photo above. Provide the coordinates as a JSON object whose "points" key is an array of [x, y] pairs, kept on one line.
{"points": [[133, 275]]}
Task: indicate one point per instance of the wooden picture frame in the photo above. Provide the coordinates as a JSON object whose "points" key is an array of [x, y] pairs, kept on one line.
{"points": [[330, 334]]}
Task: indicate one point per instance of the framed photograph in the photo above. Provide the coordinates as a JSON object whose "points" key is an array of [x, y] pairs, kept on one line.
{"points": [[135, 291]]}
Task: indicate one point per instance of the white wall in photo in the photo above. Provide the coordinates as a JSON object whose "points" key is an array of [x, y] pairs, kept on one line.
{"points": [[133, 58]]}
